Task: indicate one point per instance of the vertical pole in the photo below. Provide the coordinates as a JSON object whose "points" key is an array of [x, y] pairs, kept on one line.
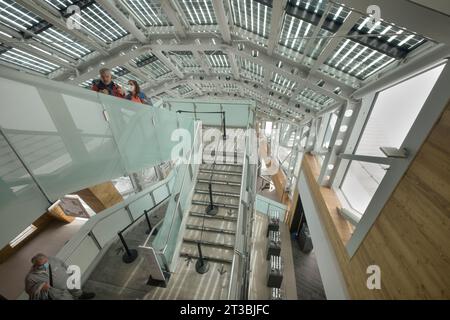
{"points": [[130, 255], [224, 126], [201, 266]]}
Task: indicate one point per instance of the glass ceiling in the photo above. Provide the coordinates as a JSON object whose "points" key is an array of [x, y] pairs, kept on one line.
{"points": [[365, 51]]}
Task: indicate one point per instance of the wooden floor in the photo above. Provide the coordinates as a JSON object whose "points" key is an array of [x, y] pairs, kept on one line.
{"points": [[307, 275]]}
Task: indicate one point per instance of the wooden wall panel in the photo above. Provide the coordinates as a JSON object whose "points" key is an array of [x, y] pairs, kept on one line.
{"points": [[101, 197], [410, 240]]}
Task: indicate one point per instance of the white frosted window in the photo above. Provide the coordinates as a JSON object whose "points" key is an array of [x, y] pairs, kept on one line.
{"points": [[389, 123]]}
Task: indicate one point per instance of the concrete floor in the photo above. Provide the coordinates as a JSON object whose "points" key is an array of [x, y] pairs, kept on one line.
{"points": [[258, 289], [48, 241]]}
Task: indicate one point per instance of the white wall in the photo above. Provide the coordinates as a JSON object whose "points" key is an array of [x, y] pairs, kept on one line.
{"points": [[332, 278]]}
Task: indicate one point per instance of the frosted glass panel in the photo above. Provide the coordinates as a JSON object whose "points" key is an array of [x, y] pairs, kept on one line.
{"points": [[209, 119], [267, 206], [134, 131], [63, 139], [236, 115], [389, 123], [21, 202], [395, 111], [362, 182], [161, 193], [107, 229], [137, 207]]}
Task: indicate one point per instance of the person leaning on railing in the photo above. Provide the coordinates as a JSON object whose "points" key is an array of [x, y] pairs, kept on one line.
{"points": [[135, 94], [106, 85]]}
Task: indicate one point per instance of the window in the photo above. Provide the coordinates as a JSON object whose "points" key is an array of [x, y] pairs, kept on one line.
{"points": [[392, 116]]}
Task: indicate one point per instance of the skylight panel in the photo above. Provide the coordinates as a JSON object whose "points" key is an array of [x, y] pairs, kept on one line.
{"points": [[314, 99], [282, 84], [185, 61], [28, 61], [218, 61], [251, 70], [148, 12], [100, 24], [199, 12], [17, 17], [60, 4], [391, 34], [63, 43], [357, 60], [252, 16]]}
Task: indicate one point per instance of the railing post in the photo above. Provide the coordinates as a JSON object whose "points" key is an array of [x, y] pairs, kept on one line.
{"points": [[201, 266], [130, 255], [149, 224], [211, 210], [224, 126]]}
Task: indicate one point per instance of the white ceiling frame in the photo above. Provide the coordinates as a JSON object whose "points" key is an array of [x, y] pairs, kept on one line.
{"points": [[168, 63], [44, 10], [276, 24], [267, 62], [201, 61], [126, 22], [222, 20], [174, 18]]}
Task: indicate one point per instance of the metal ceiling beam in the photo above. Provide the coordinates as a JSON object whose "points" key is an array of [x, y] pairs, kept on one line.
{"points": [[276, 24], [126, 22], [407, 14], [234, 66], [174, 18], [161, 56], [222, 20], [42, 10], [333, 44], [201, 61]]}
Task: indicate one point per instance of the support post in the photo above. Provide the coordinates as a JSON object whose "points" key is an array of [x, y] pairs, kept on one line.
{"points": [[211, 210], [201, 266], [224, 126], [130, 255], [149, 224]]}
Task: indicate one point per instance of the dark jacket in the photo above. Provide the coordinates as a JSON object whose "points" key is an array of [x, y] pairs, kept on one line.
{"points": [[113, 89]]}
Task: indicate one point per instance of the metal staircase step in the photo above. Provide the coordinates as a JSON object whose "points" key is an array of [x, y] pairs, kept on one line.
{"points": [[218, 204], [217, 217], [209, 229], [219, 182], [225, 246], [217, 193], [221, 172], [207, 258]]}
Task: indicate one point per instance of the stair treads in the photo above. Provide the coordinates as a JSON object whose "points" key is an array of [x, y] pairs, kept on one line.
{"points": [[214, 192], [220, 245], [213, 252], [211, 223], [219, 177], [222, 201], [216, 203], [216, 217], [236, 168], [219, 188], [217, 171], [207, 258], [217, 182], [199, 227]]}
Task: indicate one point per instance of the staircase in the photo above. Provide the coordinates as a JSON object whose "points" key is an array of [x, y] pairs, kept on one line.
{"points": [[218, 237]]}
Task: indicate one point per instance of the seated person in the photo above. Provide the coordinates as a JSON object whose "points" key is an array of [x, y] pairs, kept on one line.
{"points": [[106, 85]]}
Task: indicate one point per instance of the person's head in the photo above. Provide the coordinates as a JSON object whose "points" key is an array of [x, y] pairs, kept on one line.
{"points": [[40, 261], [134, 87], [106, 75]]}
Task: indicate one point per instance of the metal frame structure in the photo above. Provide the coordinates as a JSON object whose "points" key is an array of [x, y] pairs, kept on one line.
{"points": [[300, 60]]}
